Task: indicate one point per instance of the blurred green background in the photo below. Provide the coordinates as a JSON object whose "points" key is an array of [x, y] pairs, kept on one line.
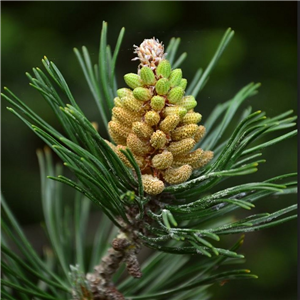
{"points": [[264, 49]]}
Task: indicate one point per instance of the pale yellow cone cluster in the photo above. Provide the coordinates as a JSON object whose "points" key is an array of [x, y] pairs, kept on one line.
{"points": [[156, 121]]}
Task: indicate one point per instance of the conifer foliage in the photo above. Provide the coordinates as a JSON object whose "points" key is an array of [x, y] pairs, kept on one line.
{"points": [[156, 182]]}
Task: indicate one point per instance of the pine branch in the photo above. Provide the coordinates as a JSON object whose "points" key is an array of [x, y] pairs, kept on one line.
{"points": [[146, 206]]}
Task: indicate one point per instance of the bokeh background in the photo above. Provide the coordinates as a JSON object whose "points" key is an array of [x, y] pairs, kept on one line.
{"points": [[264, 50]]}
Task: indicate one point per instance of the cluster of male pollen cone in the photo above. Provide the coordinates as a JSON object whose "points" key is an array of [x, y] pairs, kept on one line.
{"points": [[156, 121]]}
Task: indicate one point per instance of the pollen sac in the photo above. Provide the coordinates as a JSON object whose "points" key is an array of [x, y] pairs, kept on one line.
{"points": [[147, 76], [118, 102], [139, 159], [125, 116], [142, 130], [157, 103], [137, 146], [142, 94], [178, 175], [181, 147], [133, 80], [175, 77], [124, 92], [199, 133], [132, 104], [118, 132], [162, 86], [111, 145], [188, 102], [205, 158], [169, 123], [116, 149], [175, 95], [145, 108], [95, 125], [163, 69], [162, 161], [152, 185], [189, 158], [184, 131], [122, 156], [152, 118], [158, 139], [175, 110], [183, 83], [192, 118]]}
